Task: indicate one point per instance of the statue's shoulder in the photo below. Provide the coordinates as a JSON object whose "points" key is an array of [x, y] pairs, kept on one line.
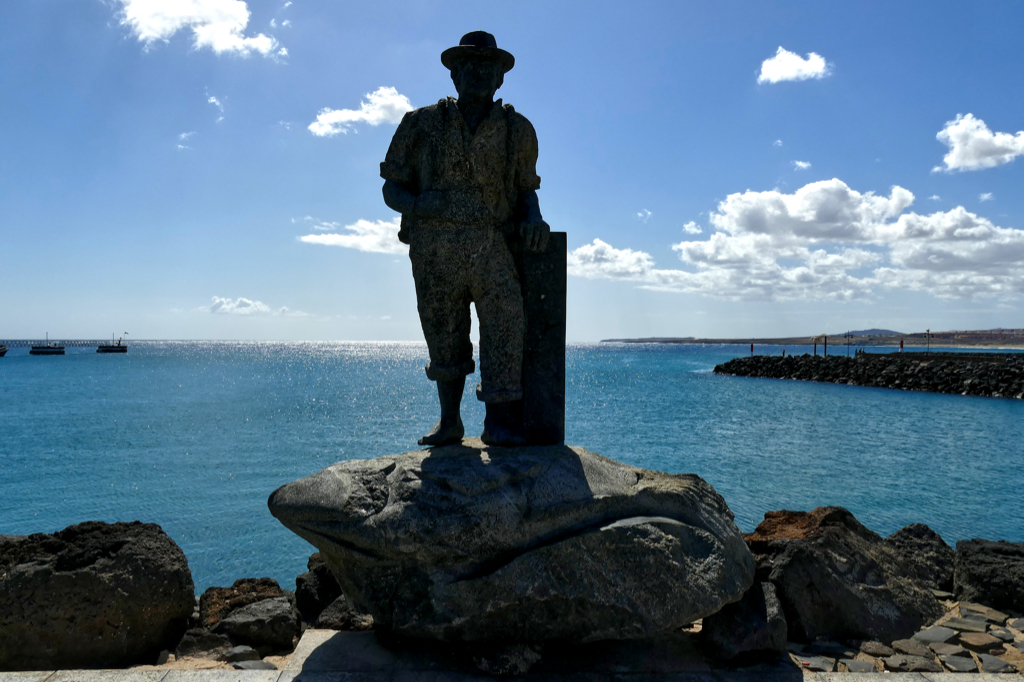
{"points": [[425, 116], [518, 123]]}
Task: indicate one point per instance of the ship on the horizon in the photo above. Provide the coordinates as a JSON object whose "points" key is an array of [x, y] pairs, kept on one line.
{"points": [[48, 349], [3, 350], [119, 347]]}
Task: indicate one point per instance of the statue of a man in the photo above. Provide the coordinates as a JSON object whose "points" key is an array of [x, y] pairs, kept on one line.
{"points": [[463, 175]]}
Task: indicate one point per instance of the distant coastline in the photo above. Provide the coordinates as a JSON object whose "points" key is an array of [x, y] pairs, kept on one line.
{"points": [[1008, 339]]}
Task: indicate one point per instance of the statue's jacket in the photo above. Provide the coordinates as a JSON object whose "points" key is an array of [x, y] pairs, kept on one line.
{"points": [[482, 174]]}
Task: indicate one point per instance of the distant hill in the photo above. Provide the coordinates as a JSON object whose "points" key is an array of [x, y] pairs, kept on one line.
{"points": [[876, 332]]}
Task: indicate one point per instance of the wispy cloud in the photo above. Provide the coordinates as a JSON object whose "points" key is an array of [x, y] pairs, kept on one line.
{"points": [[185, 136], [935, 197], [383, 105], [986, 196], [215, 24], [801, 165], [379, 236], [789, 66], [777, 143], [644, 215], [247, 308], [826, 241], [972, 146]]}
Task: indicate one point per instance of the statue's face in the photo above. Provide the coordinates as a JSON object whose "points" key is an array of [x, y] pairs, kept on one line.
{"points": [[477, 78]]}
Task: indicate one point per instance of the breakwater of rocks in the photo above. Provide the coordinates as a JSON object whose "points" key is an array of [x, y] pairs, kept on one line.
{"points": [[996, 375]]}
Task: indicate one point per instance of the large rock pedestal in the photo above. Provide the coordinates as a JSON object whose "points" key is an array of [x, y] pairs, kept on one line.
{"points": [[475, 543]]}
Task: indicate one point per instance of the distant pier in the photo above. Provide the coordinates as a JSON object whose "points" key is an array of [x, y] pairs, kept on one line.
{"points": [[27, 343], [996, 375]]}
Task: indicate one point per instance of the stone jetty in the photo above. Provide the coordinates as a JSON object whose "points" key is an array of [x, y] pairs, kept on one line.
{"points": [[996, 375]]}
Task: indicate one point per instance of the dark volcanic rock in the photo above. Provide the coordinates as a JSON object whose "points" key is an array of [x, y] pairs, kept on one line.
{"points": [[475, 543], [982, 612], [966, 625], [754, 624], [342, 615], [93, 595], [855, 666], [929, 559], [912, 647], [218, 602], [959, 664], [901, 663], [876, 649], [991, 664], [990, 573], [316, 589], [838, 580], [201, 642], [270, 626], [935, 634], [979, 641]]}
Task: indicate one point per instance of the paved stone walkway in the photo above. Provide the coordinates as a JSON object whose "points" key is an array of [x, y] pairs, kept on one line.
{"points": [[328, 656]]}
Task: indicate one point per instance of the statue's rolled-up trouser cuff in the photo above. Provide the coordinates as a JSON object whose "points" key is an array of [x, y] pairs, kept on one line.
{"points": [[508, 396], [437, 372]]}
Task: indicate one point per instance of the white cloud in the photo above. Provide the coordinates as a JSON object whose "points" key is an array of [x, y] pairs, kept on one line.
{"points": [[215, 24], [246, 307], [644, 215], [777, 143], [183, 146], [826, 241], [384, 105], [801, 165], [215, 102], [283, 52], [185, 136], [602, 261], [972, 146], [287, 22], [692, 228], [986, 196], [380, 236], [273, 23], [935, 197], [789, 66]]}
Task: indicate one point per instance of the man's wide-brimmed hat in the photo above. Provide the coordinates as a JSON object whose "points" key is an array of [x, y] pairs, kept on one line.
{"points": [[478, 45]]}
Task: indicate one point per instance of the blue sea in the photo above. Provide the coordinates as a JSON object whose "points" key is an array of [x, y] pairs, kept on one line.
{"points": [[194, 436]]}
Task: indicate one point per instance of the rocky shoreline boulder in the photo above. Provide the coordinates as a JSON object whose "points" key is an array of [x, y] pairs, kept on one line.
{"points": [[837, 580], [990, 573], [929, 559], [93, 595], [753, 626], [475, 543], [253, 612]]}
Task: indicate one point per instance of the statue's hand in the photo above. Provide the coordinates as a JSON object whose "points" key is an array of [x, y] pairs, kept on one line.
{"points": [[431, 204], [535, 234]]}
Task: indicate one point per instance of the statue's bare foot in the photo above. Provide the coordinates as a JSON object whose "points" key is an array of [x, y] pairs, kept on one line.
{"points": [[502, 437], [444, 434], [503, 424]]}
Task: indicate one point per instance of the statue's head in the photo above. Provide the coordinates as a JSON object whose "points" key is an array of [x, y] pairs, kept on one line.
{"points": [[477, 65]]}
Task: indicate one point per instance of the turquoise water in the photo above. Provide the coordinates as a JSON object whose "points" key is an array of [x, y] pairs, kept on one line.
{"points": [[195, 435]]}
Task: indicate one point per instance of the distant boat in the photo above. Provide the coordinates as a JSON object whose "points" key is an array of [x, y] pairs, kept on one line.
{"points": [[119, 347], [48, 349], [3, 350]]}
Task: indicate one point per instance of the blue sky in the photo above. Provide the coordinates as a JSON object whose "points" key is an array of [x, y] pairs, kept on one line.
{"points": [[159, 171]]}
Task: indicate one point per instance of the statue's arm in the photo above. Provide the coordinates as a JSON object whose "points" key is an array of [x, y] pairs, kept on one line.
{"points": [[534, 230], [429, 204]]}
